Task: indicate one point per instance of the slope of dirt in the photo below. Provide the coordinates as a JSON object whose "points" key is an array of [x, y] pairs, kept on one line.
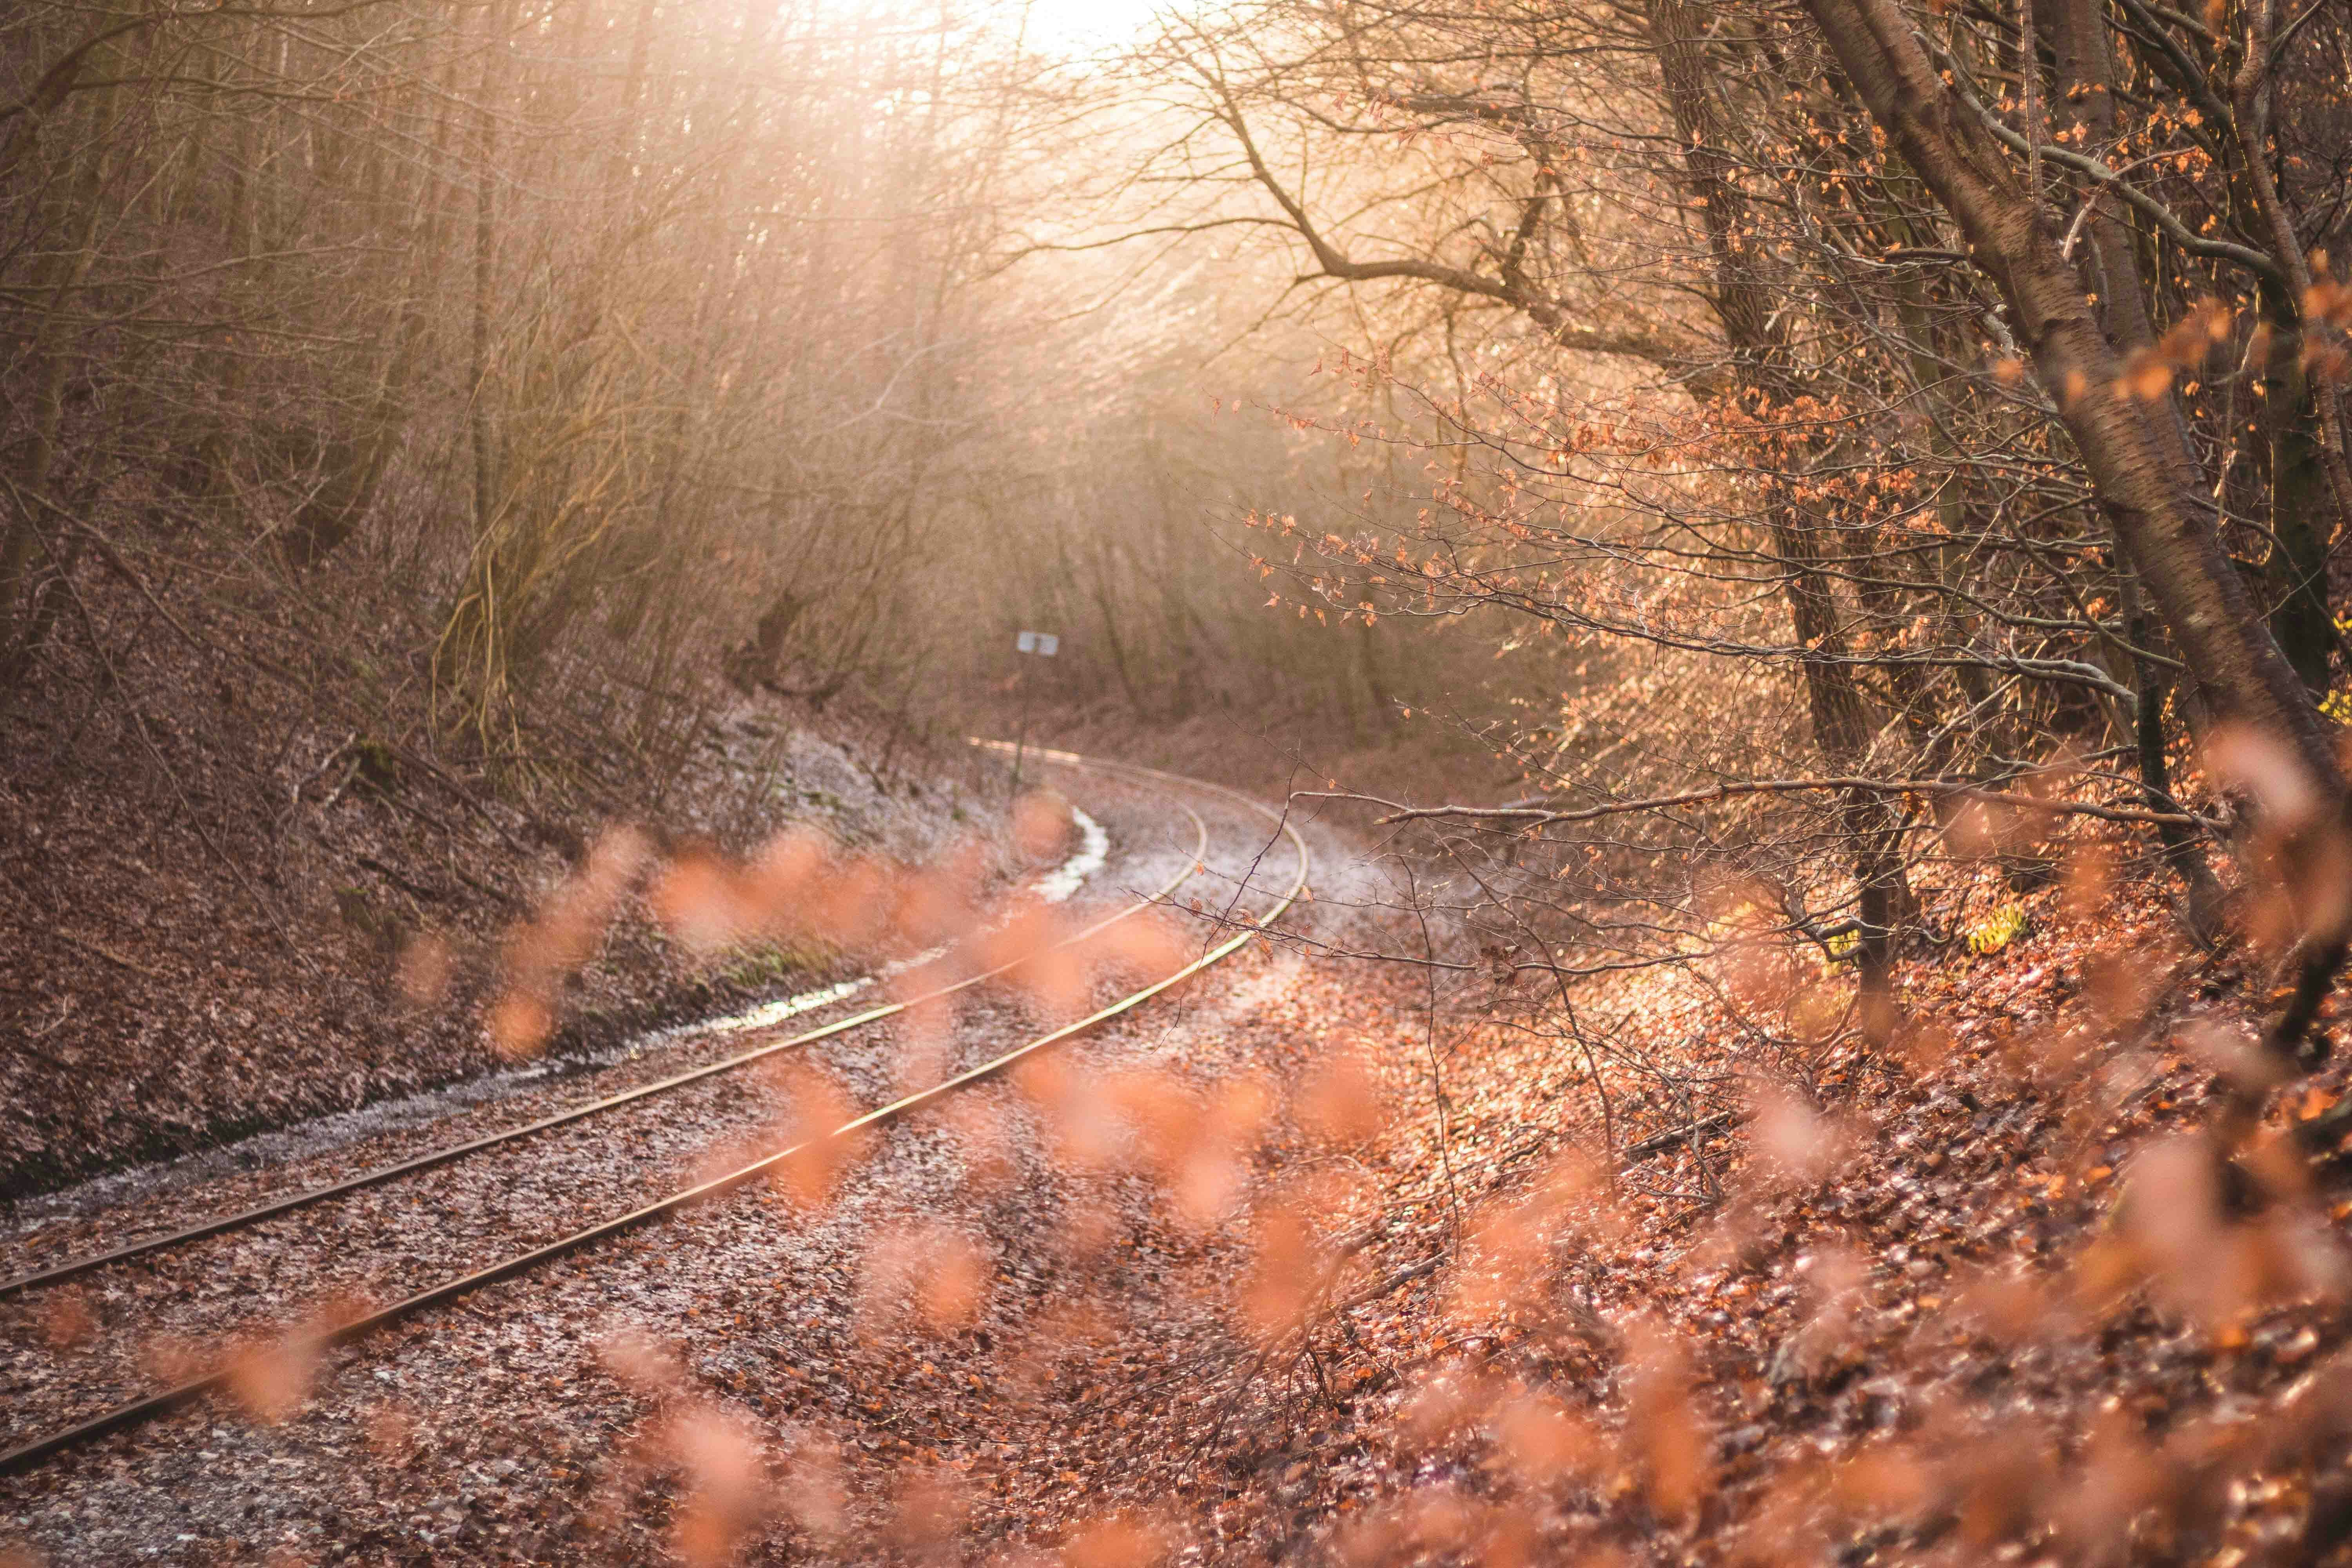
{"points": [[213, 865], [1989, 1298]]}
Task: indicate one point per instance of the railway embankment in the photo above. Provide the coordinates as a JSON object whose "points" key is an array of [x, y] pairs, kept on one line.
{"points": [[231, 937]]}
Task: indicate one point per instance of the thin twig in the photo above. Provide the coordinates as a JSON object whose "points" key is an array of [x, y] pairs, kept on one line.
{"points": [[1540, 817]]}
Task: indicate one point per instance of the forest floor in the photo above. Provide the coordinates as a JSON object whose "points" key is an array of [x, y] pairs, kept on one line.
{"points": [[1280, 1268]]}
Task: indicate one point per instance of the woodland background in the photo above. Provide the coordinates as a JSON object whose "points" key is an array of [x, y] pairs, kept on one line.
{"points": [[1804, 535], [1591, 382]]}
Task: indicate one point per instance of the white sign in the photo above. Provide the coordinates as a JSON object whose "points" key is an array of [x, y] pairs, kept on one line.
{"points": [[1042, 643]]}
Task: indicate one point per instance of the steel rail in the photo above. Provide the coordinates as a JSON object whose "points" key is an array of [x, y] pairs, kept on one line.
{"points": [[28, 1455], [223, 1224]]}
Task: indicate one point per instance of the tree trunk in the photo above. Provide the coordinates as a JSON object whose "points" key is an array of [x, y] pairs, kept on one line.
{"points": [[494, 60], [2085, 90], [2169, 538], [2301, 503], [2127, 443], [1768, 376], [2182, 852]]}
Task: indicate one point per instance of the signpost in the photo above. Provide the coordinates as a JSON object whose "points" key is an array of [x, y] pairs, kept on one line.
{"points": [[1044, 645]]}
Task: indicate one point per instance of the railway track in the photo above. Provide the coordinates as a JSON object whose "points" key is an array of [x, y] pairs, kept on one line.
{"points": [[31, 1454], [58, 1273]]}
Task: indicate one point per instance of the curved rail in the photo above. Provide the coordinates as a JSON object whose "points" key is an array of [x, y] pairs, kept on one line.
{"points": [[221, 1225], [142, 1410]]}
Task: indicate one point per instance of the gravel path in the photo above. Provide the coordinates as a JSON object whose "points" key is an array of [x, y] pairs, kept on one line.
{"points": [[507, 1427]]}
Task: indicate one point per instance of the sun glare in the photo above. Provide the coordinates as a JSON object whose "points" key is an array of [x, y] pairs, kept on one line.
{"points": [[1088, 27]]}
